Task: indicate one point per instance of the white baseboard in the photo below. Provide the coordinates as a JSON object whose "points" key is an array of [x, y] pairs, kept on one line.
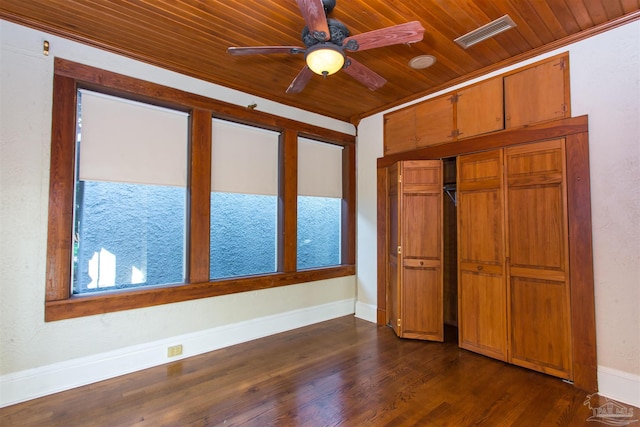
{"points": [[366, 312], [618, 385], [32, 383]]}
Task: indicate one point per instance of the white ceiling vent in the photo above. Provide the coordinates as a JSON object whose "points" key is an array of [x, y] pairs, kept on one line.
{"points": [[486, 31]]}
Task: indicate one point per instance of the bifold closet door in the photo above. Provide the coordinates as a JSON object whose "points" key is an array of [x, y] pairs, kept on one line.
{"points": [[539, 305], [482, 299], [414, 241], [393, 233]]}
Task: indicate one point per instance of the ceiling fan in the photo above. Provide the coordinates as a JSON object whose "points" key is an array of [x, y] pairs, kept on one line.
{"points": [[326, 41]]}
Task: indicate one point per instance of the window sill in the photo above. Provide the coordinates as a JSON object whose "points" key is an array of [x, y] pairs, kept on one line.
{"points": [[79, 306]]}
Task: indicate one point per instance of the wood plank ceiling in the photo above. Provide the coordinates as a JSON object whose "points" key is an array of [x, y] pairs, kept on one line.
{"points": [[191, 37]]}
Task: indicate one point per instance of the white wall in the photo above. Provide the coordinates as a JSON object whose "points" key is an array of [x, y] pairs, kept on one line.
{"points": [[605, 84], [38, 358]]}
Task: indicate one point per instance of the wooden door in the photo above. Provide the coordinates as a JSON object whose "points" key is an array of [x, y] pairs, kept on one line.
{"points": [[480, 108], [482, 290], [420, 258], [392, 235], [400, 131], [434, 121], [540, 325], [537, 94]]}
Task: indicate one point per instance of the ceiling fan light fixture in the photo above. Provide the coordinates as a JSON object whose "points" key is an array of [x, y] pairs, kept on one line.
{"points": [[325, 59]]}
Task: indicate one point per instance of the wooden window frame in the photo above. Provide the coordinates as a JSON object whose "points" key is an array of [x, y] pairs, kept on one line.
{"points": [[59, 301], [576, 133]]}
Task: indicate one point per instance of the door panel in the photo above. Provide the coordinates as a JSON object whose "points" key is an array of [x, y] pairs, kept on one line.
{"points": [[422, 214], [393, 273], [537, 243], [540, 322], [422, 302], [482, 290], [483, 308], [421, 306]]}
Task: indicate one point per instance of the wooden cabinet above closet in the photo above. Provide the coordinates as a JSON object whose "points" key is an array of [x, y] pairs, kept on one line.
{"points": [[537, 94], [471, 111], [534, 94]]}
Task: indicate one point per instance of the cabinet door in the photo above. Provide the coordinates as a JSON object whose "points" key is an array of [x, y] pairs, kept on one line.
{"points": [[540, 326], [421, 296], [482, 291], [434, 121], [400, 131], [480, 108], [393, 228], [537, 94]]}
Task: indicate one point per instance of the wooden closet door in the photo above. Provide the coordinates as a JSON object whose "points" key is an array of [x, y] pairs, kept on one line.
{"points": [[393, 233], [482, 299], [540, 326], [421, 296]]}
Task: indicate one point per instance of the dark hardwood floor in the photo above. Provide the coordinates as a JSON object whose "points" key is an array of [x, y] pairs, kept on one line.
{"points": [[345, 372]]}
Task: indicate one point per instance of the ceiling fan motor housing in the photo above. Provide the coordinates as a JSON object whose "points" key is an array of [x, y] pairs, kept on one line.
{"points": [[337, 30], [328, 5]]}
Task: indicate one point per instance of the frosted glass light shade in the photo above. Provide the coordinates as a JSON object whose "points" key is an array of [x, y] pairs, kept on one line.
{"points": [[325, 60]]}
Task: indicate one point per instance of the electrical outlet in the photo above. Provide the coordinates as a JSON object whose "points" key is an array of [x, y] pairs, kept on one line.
{"points": [[175, 350]]}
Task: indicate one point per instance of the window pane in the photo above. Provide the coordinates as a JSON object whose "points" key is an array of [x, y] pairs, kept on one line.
{"points": [[244, 200], [319, 220], [319, 204], [129, 216], [243, 234], [128, 235]]}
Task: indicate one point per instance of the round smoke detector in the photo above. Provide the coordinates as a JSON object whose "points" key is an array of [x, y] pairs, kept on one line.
{"points": [[422, 61]]}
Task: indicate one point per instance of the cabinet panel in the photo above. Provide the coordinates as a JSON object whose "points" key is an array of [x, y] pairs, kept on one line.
{"points": [[480, 108], [434, 122], [537, 94], [400, 131]]}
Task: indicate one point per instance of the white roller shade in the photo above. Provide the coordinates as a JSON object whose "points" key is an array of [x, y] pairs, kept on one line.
{"points": [[244, 159], [133, 142], [319, 169]]}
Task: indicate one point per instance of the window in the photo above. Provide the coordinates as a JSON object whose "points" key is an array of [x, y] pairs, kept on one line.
{"points": [[244, 200], [179, 197], [319, 203], [130, 189]]}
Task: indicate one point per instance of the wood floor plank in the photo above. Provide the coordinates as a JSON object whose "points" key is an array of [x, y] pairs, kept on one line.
{"points": [[344, 372]]}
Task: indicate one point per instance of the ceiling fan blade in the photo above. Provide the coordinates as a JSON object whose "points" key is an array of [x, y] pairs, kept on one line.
{"points": [[300, 81], [364, 75], [315, 18], [252, 50], [410, 32]]}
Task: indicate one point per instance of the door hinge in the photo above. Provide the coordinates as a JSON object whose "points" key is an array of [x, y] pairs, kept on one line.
{"points": [[561, 64], [400, 178], [399, 250], [399, 323]]}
